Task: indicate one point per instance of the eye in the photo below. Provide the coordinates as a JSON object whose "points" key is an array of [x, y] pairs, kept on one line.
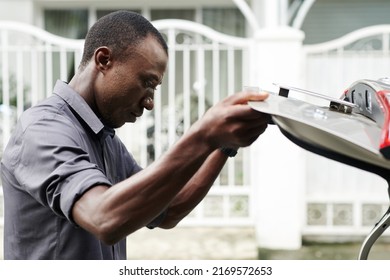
{"points": [[150, 85]]}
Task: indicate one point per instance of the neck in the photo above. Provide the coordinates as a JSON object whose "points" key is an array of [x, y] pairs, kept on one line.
{"points": [[82, 83]]}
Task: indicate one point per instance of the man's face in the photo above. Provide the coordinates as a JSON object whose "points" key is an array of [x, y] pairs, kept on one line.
{"points": [[127, 88]]}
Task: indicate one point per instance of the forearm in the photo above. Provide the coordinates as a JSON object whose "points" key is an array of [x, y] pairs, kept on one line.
{"points": [[131, 204], [195, 190]]}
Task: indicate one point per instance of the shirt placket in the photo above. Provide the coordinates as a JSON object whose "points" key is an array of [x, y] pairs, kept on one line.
{"points": [[109, 169], [108, 155]]}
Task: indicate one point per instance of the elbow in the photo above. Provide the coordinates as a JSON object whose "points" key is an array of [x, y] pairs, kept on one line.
{"points": [[172, 219], [111, 232], [169, 223], [106, 235], [108, 240]]}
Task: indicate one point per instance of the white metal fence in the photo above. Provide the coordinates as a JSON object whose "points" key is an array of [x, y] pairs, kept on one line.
{"points": [[343, 200], [205, 66], [202, 61], [30, 62]]}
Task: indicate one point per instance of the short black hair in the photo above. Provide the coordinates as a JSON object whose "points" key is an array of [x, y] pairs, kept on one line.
{"points": [[119, 30]]}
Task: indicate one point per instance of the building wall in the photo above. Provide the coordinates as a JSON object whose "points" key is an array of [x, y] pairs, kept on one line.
{"points": [[17, 10], [330, 19], [31, 11]]}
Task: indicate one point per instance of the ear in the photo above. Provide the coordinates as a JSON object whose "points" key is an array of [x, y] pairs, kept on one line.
{"points": [[103, 58]]}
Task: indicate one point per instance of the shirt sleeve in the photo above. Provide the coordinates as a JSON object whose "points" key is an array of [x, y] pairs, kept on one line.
{"points": [[53, 166]]}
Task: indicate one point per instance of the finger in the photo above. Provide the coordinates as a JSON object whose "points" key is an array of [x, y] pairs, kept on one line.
{"points": [[256, 128], [253, 124], [245, 112], [244, 97], [246, 130], [254, 134]]}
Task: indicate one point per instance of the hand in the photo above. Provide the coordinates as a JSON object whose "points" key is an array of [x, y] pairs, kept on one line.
{"points": [[233, 123]]}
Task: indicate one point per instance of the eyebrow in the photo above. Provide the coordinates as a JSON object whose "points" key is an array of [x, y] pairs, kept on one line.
{"points": [[156, 78]]}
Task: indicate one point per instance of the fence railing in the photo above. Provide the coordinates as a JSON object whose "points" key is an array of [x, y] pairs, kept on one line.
{"points": [[202, 61], [342, 200], [204, 67], [31, 60]]}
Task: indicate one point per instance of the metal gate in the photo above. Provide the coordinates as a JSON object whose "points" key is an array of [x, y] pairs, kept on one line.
{"points": [[204, 67], [343, 200]]}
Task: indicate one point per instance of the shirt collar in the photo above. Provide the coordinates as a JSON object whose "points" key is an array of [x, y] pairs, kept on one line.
{"points": [[78, 104]]}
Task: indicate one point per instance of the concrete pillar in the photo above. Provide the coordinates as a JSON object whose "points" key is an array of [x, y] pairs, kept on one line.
{"points": [[270, 13], [278, 165]]}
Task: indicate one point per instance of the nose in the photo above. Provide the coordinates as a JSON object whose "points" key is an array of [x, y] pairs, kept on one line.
{"points": [[148, 103]]}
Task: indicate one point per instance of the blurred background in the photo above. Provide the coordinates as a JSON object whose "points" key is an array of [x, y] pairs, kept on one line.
{"points": [[274, 200]]}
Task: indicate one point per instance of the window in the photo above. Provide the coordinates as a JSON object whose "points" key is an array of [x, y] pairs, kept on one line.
{"points": [[73, 23], [216, 19], [187, 14], [67, 23], [101, 13]]}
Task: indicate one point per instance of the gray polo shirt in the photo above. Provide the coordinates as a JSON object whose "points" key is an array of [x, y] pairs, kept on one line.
{"points": [[59, 150]]}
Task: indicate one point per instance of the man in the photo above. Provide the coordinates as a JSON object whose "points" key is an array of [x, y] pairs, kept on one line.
{"points": [[71, 189]]}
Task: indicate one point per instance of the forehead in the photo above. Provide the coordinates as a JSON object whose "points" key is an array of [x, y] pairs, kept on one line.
{"points": [[150, 54]]}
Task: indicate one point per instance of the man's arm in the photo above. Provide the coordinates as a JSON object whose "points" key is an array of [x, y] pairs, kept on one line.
{"points": [[195, 190], [113, 213]]}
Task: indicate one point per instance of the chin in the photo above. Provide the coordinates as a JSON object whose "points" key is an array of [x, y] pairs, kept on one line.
{"points": [[113, 125], [123, 123], [118, 124]]}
